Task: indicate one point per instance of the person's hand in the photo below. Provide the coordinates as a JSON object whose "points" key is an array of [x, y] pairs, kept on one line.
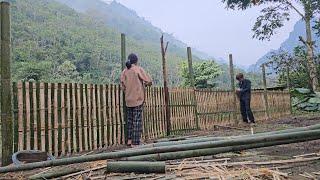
{"points": [[148, 83]]}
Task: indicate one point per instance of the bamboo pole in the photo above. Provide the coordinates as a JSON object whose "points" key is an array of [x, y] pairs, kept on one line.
{"points": [[289, 86], [136, 167], [20, 116], [176, 152], [15, 116], [213, 151], [55, 174], [265, 91], [288, 75], [191, 73], [165, 84], [204, 139], [123, 66], [234, 97], [6, 91]]}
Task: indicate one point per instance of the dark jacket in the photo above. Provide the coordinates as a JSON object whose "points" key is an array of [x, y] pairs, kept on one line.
{"points": [[245, 89]]}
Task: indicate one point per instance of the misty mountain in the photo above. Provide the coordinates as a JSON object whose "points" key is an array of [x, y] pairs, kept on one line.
{"points": [[288, 45], [125, 20]]}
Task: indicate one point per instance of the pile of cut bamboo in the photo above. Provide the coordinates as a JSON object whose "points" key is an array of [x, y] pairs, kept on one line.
{"points": [[193, 147]]}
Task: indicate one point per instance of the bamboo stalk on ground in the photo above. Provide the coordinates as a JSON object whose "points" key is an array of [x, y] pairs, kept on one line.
{"points": [[172, 139], [179, 151], [210, 138], [55, 174], [136, 167], [213, 151]]}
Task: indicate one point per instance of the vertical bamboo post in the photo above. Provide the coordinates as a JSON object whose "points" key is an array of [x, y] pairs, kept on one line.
{"points": [[288, 76], [191, 74], [165, 84], [123, 65], [289, 86], [6, 94], [265, 91], [15, 116], [233, 89], [192, 80]]}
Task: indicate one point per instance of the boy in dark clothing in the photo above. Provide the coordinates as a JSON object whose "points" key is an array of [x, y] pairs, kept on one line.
{"points": [[244, 93]]}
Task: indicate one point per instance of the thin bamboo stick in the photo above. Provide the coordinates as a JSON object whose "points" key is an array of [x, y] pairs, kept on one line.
{"points": [[79, 117], [28, 128], [42, 118], [56, 123], [50, 115], [85, 116], [20, 116], [69, 122], [33, 108]]}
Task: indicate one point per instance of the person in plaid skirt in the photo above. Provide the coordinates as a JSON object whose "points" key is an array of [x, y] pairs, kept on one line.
{"points": [[133, 81]]}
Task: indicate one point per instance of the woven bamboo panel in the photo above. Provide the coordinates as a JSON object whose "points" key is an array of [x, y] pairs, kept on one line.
{"points": [[214, 107], [70, 118], [182, 109]]}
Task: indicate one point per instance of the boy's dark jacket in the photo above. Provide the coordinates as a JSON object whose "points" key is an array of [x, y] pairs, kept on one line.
{"points": [[245, 89]]}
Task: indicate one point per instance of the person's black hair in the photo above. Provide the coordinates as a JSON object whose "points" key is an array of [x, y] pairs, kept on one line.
{"points": [[132, 59], [239, 76]]}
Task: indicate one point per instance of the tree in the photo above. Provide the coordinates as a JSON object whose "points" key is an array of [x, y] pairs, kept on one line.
{"points": [[273, 16], [204, 73], [67, 72], [294, 64]]}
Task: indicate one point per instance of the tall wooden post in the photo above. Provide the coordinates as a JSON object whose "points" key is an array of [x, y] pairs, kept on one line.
{"points": [[288, 76], [233, 89], [191, 74], [289, 86], [192, 81], [165, 84], [123, 66], [265, 91], [6, 94]]}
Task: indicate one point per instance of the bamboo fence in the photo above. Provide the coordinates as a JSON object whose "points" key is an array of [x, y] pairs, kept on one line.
{"points": [[64, 119]]}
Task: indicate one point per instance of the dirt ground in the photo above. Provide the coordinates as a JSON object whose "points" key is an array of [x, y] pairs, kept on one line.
{"points": [[302, 170]]}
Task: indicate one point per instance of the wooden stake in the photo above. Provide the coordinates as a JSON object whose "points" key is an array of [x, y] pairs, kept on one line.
{"points": [[233, 89], [165, 84], [6, 91], [194, 99], [288, 76], [15, 116], [265, 91], [123, 66], [191, 74], [289, 86]]}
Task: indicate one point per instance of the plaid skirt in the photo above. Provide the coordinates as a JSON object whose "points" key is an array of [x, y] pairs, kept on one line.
{"points": [[134, 115]]}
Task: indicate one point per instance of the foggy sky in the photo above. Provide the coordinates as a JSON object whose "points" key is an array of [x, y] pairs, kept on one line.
{"points": [[208, 26]]}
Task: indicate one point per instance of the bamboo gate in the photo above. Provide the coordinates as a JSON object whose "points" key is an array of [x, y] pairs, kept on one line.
{"points": [[64, 119]]}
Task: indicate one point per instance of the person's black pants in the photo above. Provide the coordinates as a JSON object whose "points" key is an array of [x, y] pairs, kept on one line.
{"points": [[246, 110]]}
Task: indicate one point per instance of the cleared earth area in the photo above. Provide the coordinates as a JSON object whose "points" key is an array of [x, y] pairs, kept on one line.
{"points": [[292, 161]]}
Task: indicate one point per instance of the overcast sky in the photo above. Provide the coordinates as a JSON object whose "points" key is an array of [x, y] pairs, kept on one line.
{"points": [[209, 27]]}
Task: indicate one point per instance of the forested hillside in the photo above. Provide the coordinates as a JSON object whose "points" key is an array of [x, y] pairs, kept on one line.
{"points": [[121, 18], [52, 42]]}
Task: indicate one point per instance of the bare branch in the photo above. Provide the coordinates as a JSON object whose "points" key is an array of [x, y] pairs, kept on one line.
{"points": [[165, 50], [308, 44], [302, 40], [293, 7]]}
